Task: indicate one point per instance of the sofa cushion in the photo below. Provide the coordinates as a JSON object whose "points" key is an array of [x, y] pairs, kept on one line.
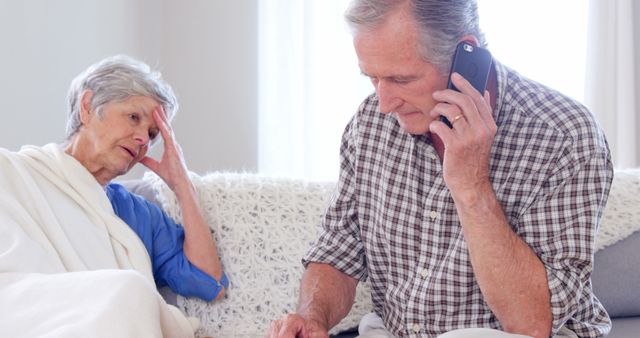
{"points": [[621, 216], [262, 226], [625, 328], [616, 274], [616, 277]]}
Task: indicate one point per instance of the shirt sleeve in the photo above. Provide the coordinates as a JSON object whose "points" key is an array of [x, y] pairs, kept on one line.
{"points": [[339, 243], [164, 240], [561, 225]]}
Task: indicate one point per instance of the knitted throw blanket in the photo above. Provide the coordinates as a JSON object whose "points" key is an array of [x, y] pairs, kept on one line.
{"points": [[263, 226]]}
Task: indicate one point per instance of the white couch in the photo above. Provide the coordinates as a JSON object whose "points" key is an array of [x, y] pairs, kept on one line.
{"points": [[264, 225]]}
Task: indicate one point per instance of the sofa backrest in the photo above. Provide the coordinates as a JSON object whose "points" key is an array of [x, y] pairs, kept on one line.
{"points": [[264, 225]]}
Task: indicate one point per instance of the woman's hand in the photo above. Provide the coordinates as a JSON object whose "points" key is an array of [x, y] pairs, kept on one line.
{"points": [[171, 167], [199, 246]]}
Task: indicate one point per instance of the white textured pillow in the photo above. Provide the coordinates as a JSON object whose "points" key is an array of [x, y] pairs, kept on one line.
{"points": [[262, 227], [621, 216]]}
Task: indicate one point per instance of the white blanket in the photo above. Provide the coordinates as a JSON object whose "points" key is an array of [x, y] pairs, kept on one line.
{"points": [[69, 267]]}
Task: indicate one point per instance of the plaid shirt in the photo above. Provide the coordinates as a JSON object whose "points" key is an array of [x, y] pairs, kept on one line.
{"points": [[392, 219]]}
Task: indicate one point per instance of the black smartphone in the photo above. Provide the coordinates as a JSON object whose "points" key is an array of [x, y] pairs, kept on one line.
{"points": [[473, 63]]}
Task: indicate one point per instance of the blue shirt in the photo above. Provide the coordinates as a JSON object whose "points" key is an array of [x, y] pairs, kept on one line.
{"points": [[164, 240]]}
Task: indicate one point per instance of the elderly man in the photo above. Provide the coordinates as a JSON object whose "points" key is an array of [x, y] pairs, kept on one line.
{"points": [[489, 224]]}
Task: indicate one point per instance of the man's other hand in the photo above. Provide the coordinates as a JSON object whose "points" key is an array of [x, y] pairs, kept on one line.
{"points": [[295, 326]]}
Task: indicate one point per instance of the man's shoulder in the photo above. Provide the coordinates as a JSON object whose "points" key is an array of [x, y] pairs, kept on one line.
{"points": [[535, 99], [530, 107]]}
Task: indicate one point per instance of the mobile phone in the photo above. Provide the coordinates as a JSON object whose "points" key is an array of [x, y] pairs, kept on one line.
{"points": [[473, 63]]}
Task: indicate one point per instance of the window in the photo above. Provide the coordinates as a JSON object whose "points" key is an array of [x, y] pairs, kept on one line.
{"points": [[310, 83], [544, 40]]}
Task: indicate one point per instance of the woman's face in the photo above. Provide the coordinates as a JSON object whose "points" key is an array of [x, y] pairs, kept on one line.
{"points": [[111, 144]]}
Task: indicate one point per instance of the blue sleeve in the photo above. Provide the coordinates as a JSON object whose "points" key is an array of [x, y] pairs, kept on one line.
{"points": [[164, 241]]}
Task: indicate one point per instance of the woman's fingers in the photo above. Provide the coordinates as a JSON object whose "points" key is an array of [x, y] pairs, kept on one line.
{"points": [[163, 125], [150, 163]]}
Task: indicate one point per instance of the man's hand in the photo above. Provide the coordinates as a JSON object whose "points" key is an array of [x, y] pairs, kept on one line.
{"points": [[295, 326], [468, 144], [326, 296], [511, 277]]}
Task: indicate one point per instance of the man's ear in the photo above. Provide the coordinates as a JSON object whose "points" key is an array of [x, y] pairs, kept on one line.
{"points": [[470, 39], [86, 112]]}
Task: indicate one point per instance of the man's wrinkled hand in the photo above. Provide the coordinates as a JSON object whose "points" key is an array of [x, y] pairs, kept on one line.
{"points": [[295, 326]]}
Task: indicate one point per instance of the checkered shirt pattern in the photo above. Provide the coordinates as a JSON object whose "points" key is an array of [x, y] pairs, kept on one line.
{"points": [[392, 219]]}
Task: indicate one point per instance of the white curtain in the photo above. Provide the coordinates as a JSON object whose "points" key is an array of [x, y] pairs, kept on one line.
{"points": [[613, 77], [309, 86], [309, 81]]}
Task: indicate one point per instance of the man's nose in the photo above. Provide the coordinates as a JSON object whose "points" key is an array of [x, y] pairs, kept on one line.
{"points": [[387, 98]]}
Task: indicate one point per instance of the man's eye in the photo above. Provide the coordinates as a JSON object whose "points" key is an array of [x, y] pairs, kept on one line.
{"points": [[401, 80], [134, 117]]}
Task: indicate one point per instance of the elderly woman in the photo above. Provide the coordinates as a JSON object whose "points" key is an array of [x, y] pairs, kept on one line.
{"points": [[81, 256]]}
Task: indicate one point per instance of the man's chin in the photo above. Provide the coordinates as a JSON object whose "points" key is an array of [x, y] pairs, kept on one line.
{"points": [[414, 129], [413, 126]]}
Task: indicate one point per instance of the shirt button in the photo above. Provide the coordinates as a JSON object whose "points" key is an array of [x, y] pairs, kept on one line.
{"points": [[432, 156], [416, 328], [433, 214], [424, 273]]}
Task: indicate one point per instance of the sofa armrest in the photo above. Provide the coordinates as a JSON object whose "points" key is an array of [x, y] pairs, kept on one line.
{"points": [[616, 277]]}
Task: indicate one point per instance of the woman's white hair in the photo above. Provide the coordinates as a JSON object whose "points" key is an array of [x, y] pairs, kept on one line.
{"points": [[117, 78]]}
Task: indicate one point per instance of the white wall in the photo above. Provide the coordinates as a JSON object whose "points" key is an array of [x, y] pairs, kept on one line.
{"points": [[206, 49]]}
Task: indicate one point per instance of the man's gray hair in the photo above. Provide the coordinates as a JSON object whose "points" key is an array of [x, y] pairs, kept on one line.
{"points": [[117, 78], [441, 24]]}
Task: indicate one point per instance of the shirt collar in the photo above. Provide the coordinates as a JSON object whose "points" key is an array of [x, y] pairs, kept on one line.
{"points": [[501, 84]]}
